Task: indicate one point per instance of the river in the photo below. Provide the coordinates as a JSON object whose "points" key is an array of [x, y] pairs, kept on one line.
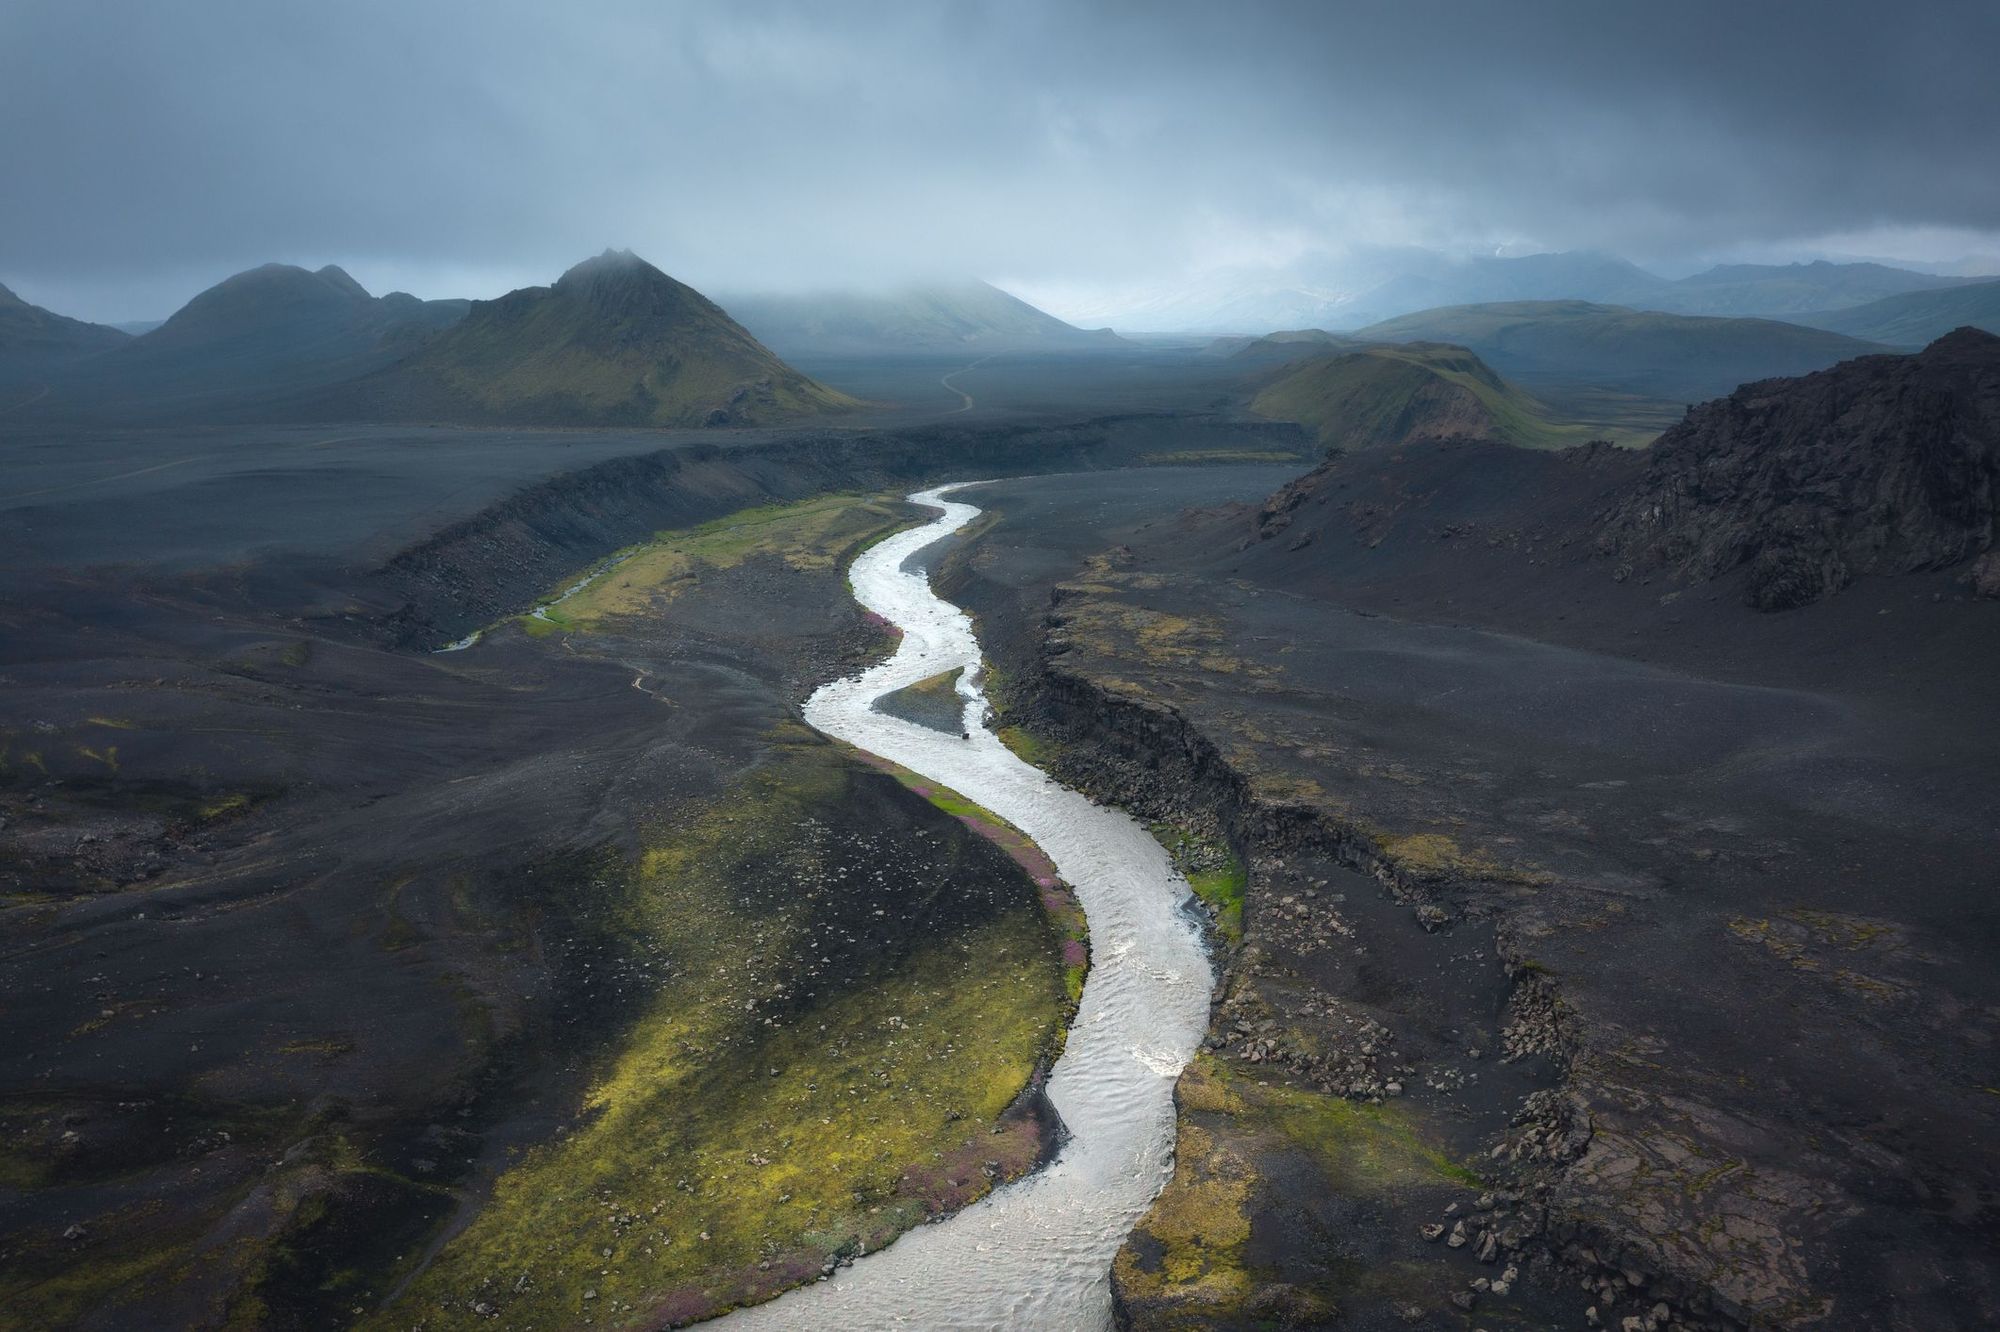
{"points": [[1036, 1253]]}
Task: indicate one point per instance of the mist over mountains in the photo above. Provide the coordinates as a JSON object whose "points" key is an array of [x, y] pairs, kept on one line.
{"points": [[1352, 288], [618, 342]]}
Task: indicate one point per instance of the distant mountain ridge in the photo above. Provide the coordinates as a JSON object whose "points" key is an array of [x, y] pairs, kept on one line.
{"points": [[938, 318], [1365, 285], [254, 340], [1779, 290], [1685, 357], [1917, 318], [614, 341]]}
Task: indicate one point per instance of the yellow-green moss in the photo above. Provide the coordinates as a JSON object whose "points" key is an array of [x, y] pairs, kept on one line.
{"points": [[1189, 1249], [721, 1154], [1217, 874], [817, 534]]}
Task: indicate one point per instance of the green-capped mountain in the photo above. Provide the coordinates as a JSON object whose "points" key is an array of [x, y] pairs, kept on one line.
{"points": [[614, 342], [1382, 396]]}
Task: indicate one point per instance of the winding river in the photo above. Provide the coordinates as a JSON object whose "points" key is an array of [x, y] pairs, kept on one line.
{"points": [[1036, 1253]]}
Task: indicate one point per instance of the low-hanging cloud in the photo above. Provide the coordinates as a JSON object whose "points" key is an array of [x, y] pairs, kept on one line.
{"points": [[457, 148]]}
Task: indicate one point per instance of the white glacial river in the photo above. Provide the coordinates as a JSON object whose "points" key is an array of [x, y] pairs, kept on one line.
{"points": [[1036, 1253]]}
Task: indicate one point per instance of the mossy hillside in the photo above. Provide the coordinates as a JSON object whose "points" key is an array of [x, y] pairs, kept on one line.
{"points": [[1217, 874], [1382, 396], [814, 535], [614, 342], [853, 996], [1251, 1148]]}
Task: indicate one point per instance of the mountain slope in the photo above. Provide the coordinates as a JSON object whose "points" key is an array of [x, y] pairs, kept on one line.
{"points": [[1886, 464], [254, 341], [1580, 275], [1364, 284], [1785, 290], [614, 342], [1916, 318], [1687, 357], [943, 319], [31, 337], [1361, 285], [1379, 397]]}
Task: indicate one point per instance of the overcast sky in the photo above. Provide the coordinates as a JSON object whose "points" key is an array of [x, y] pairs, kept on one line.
{"points": [[148, 149]]}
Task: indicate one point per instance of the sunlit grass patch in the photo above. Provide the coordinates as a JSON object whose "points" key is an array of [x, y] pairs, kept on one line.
{"points": [[1190, 1264], [813, 535]]}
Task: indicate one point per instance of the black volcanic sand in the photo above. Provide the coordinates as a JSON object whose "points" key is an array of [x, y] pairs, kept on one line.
{"points": [[1719, 882], [306, 938], [197, 497]]}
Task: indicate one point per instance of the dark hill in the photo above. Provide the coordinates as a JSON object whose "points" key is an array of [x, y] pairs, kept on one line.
{"points": [[943, 319], [614, 342], [1918, 317], [1792, 487], [251, 344], [1382, 396], [1882, 465], [1684, 357], [32, 338]]}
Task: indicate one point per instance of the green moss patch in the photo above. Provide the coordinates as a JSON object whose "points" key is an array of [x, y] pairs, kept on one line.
{"points": [[846, 1022], [816, 534], [1247, 1149], [1217, 874]]}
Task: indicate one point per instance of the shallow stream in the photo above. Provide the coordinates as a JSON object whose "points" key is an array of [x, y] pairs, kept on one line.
{"points": [[1036, 1253]]}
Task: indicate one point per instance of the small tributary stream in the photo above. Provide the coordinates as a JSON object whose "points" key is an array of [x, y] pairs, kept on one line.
{"points": [[1036, 1253]]}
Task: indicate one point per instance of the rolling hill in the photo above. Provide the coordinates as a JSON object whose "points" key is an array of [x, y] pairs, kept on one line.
{"points": [[614, 342], [1686, 357], [1275, 348], [1916, 318], [949, 319], [1378, 397], [1784, 290]]}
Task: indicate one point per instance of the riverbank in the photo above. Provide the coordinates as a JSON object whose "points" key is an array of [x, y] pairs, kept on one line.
{"points": [[1482, 870], [1036, 1252], [592, 888]]}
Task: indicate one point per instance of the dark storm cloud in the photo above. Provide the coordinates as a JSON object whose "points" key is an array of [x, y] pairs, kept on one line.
{"points": [[150, 148]]}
